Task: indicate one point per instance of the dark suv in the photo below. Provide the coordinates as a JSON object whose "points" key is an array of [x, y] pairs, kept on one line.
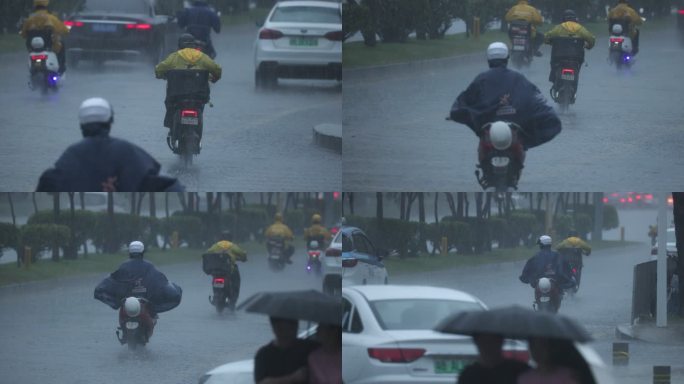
{"points": [[105, 30]]}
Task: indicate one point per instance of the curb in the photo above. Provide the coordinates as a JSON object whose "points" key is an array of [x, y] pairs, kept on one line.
{"points": [[328, 136], [671, 335], [624, 332], [384, 71]]}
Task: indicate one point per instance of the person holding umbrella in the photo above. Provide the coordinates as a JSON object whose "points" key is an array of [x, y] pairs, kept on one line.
{"points": [[491, 367], [550, 368], [325, 363], [284, 360]]}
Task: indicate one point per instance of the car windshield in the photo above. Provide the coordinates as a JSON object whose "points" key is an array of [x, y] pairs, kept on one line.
{"points": [[401, 314], [124, 6], [303, 14]]}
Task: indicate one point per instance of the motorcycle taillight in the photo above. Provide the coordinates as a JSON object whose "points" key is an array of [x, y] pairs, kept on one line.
{"points": [[189, 113], [616, 40], [314, 254], [38, 57], [568, 71], [219, 280]]}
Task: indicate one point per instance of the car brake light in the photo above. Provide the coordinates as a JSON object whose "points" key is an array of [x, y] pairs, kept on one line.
{"points": [[616, 40], [523, 356], [638, 197], [630, 200], [220, 280], [270, 34], [38, 57], [396, 355], [70, 23], [649, 197], [605, 200], [568, 71], [139, 26], [334, 36], [349, 263], [333, 252], [574, 271], [188, 113], [681, 11]]}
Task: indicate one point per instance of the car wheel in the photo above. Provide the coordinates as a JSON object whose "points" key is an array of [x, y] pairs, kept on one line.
{"points": [[332, 285]]}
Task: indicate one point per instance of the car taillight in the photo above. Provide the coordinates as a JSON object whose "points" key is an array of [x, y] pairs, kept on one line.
{"points": [[189, 113], [523, 356], [333, 252], [38, 57], [396, 355], [574, 271], [219, 280], [605, 200], [334, 230], [334, 36], [649, 197], [142, 26], [71, 24], [568, 71], [614, 40], [681, 11], [270, 34], [349, 263]]}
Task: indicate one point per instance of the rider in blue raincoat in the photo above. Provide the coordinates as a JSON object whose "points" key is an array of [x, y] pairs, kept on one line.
{"points": [[546, 263], [199, 20]]}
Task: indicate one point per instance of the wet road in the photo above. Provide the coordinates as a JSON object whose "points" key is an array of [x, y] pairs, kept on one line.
{"points": [[60, 334], [603, 301], [623, 133], [253, 141]]}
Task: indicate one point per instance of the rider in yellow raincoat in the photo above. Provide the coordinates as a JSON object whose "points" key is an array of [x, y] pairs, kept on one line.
{"points": [[526, 12], [569, 28], [279, 230], [572, 248], [623, 11], [316, 231], [187, 57], [41, 19], [226, 246]]}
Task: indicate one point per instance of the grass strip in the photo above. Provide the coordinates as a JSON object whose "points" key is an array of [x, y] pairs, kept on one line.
{"points": [[46, 269], [428, 263], [357, 55]]}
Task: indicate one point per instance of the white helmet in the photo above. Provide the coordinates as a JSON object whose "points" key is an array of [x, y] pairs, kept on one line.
{"points": [[132, 306], [136, 247], [37, 43], [497, 50], [544, 284], [500, 135], [544, 240], [95, 110], [617, 29]]}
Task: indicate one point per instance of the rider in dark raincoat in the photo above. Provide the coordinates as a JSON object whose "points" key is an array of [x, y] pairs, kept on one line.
{"points": [[199, 20], [102, 163]]}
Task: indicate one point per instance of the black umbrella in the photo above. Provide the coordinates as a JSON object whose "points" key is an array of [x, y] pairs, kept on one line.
{"points": [[514, 322], [301, 305]]}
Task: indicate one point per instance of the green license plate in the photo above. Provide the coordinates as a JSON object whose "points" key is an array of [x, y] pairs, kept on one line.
{"points": [[303, 42], [449, 366]]}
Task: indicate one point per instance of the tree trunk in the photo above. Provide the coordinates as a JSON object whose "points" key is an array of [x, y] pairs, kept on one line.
{"points": [[181, 199], [459, 207], [55, 210], [109, 245], [138, 208], [35, 205], [153, 205], [70, 251], [421, 207], [11, 204], [379, 209], [435, 208], [351, 202], [452, 205], [81, 197], [210, 202], [133, 199], [191, 201], [402, 206]]}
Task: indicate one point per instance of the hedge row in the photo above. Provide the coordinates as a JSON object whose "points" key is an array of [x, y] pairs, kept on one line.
{"points": [[198, 229], [472, 235]]}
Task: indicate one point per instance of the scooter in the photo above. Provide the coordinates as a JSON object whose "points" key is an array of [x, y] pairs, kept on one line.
{"points": [[218, 265], [313, 261], [43, 66], [547, 295], [136, 324], [520, 33], [620, 48], [276, 254], [501, 157]]}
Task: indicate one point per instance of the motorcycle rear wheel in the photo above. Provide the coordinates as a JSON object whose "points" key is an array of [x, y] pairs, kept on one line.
{"points": [[219, 302]]}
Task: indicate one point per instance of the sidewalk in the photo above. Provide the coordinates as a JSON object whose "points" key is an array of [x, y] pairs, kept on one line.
{"points": [[673, 334]]}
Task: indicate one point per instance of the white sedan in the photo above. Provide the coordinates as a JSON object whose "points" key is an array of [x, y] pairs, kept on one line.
{"points": [[299, 39], [387, 335]]}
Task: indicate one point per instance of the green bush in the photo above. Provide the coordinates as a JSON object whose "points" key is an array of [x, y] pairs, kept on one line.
{"points": [[122, 230], [9, 237], [41, 237], [84, 225], [458, 234]]}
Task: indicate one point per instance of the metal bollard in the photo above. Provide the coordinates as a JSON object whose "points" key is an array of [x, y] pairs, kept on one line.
{"points": [[476, 27], [661, 374], [445, 246], [622, 233], [620, 353], [175, 241]]}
